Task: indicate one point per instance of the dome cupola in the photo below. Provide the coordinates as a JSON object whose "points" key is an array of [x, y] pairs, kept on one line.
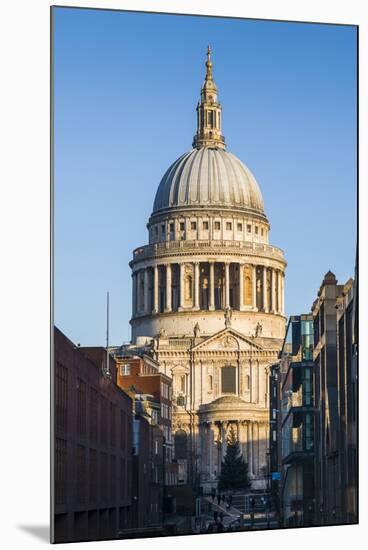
{"points": [[208, 176]]}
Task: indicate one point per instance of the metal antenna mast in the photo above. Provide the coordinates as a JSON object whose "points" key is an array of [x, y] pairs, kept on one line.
{"points": [[107, 336]]}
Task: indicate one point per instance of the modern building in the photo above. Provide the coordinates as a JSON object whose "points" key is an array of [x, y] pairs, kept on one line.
{"points": [[313, 412], [295, 377], [208, 293], [92, 459], [336, 399], [275, 447]]}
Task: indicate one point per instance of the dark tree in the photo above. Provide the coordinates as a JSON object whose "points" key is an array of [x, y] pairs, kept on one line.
{"points": [[234, 469]]}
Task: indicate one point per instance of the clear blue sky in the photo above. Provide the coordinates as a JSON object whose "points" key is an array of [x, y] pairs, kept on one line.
{"points": [[126, 87]]}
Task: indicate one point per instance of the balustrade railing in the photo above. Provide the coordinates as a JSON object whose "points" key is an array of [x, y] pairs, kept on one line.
{"points": [[147, 250]]}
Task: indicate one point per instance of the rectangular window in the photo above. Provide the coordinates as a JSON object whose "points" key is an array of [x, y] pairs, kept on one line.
{"points": [[228, 226], [240, 227], [205, 226], [256, 230], [217, 226], [113, 477], [112, 424], [262, 232], [93, 414], [104, 477], [60, 471], [249, 228], [163, 229], [61, 397], [322, 317], [103, 420], [122, 429], [171, 228], [125, 370], [93, 476], [182, 226], [81, 474], [228, 379], [193, 225], [81, 407], [156, 230]]}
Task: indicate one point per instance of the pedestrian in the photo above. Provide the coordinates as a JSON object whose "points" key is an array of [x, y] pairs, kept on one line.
{"points": [[213, 494], [230, 499], [215, 514], [221, 515], [223, 498], [218, 499]]}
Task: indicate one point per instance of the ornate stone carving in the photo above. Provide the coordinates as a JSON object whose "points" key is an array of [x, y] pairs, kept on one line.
{"points": [[228, 314], [248, 285]]}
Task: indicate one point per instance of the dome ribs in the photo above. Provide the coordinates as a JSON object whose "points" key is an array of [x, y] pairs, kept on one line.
{"points": [[208, 177], [193, 187], [176, 191]]}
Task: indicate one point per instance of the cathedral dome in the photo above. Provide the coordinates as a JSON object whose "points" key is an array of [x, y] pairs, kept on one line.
{"points": [[208, 177]]}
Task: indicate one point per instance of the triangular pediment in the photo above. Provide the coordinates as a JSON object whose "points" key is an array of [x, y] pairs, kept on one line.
{"points": [[228, 339]]}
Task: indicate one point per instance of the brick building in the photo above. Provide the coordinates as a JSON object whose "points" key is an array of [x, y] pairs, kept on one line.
{"points": [[140, 374], [92, 460]]}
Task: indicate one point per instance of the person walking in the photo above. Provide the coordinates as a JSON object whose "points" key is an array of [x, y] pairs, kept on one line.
{"points": [[223, 498], [213, 494], [222, 516], [230, 500], [218, 499]]}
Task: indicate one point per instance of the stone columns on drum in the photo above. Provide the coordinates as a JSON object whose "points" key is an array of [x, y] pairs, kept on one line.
{"points": [[254, 287], [155, 289], [134, 294], [168, 288], [227, 284], [196, 286], [146, 292], [264, 289], [241, 287], [211, 305], [181, 301]]}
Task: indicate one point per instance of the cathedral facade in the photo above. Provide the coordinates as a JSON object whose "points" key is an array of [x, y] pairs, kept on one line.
{"points": [[208, 291]]}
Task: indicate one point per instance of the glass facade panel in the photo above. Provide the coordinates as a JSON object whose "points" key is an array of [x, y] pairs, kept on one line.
{"points": [[307, 340]]}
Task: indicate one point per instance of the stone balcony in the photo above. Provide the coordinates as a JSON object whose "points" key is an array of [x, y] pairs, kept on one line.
{"points": [[157, 250]]}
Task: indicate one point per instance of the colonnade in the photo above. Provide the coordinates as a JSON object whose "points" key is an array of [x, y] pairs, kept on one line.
{"points": [[193, 286], [253, 443]]}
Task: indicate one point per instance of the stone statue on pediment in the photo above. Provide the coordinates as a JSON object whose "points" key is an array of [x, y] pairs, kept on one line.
{"points": [[258, 331], [228, 313], [196, 330]]}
